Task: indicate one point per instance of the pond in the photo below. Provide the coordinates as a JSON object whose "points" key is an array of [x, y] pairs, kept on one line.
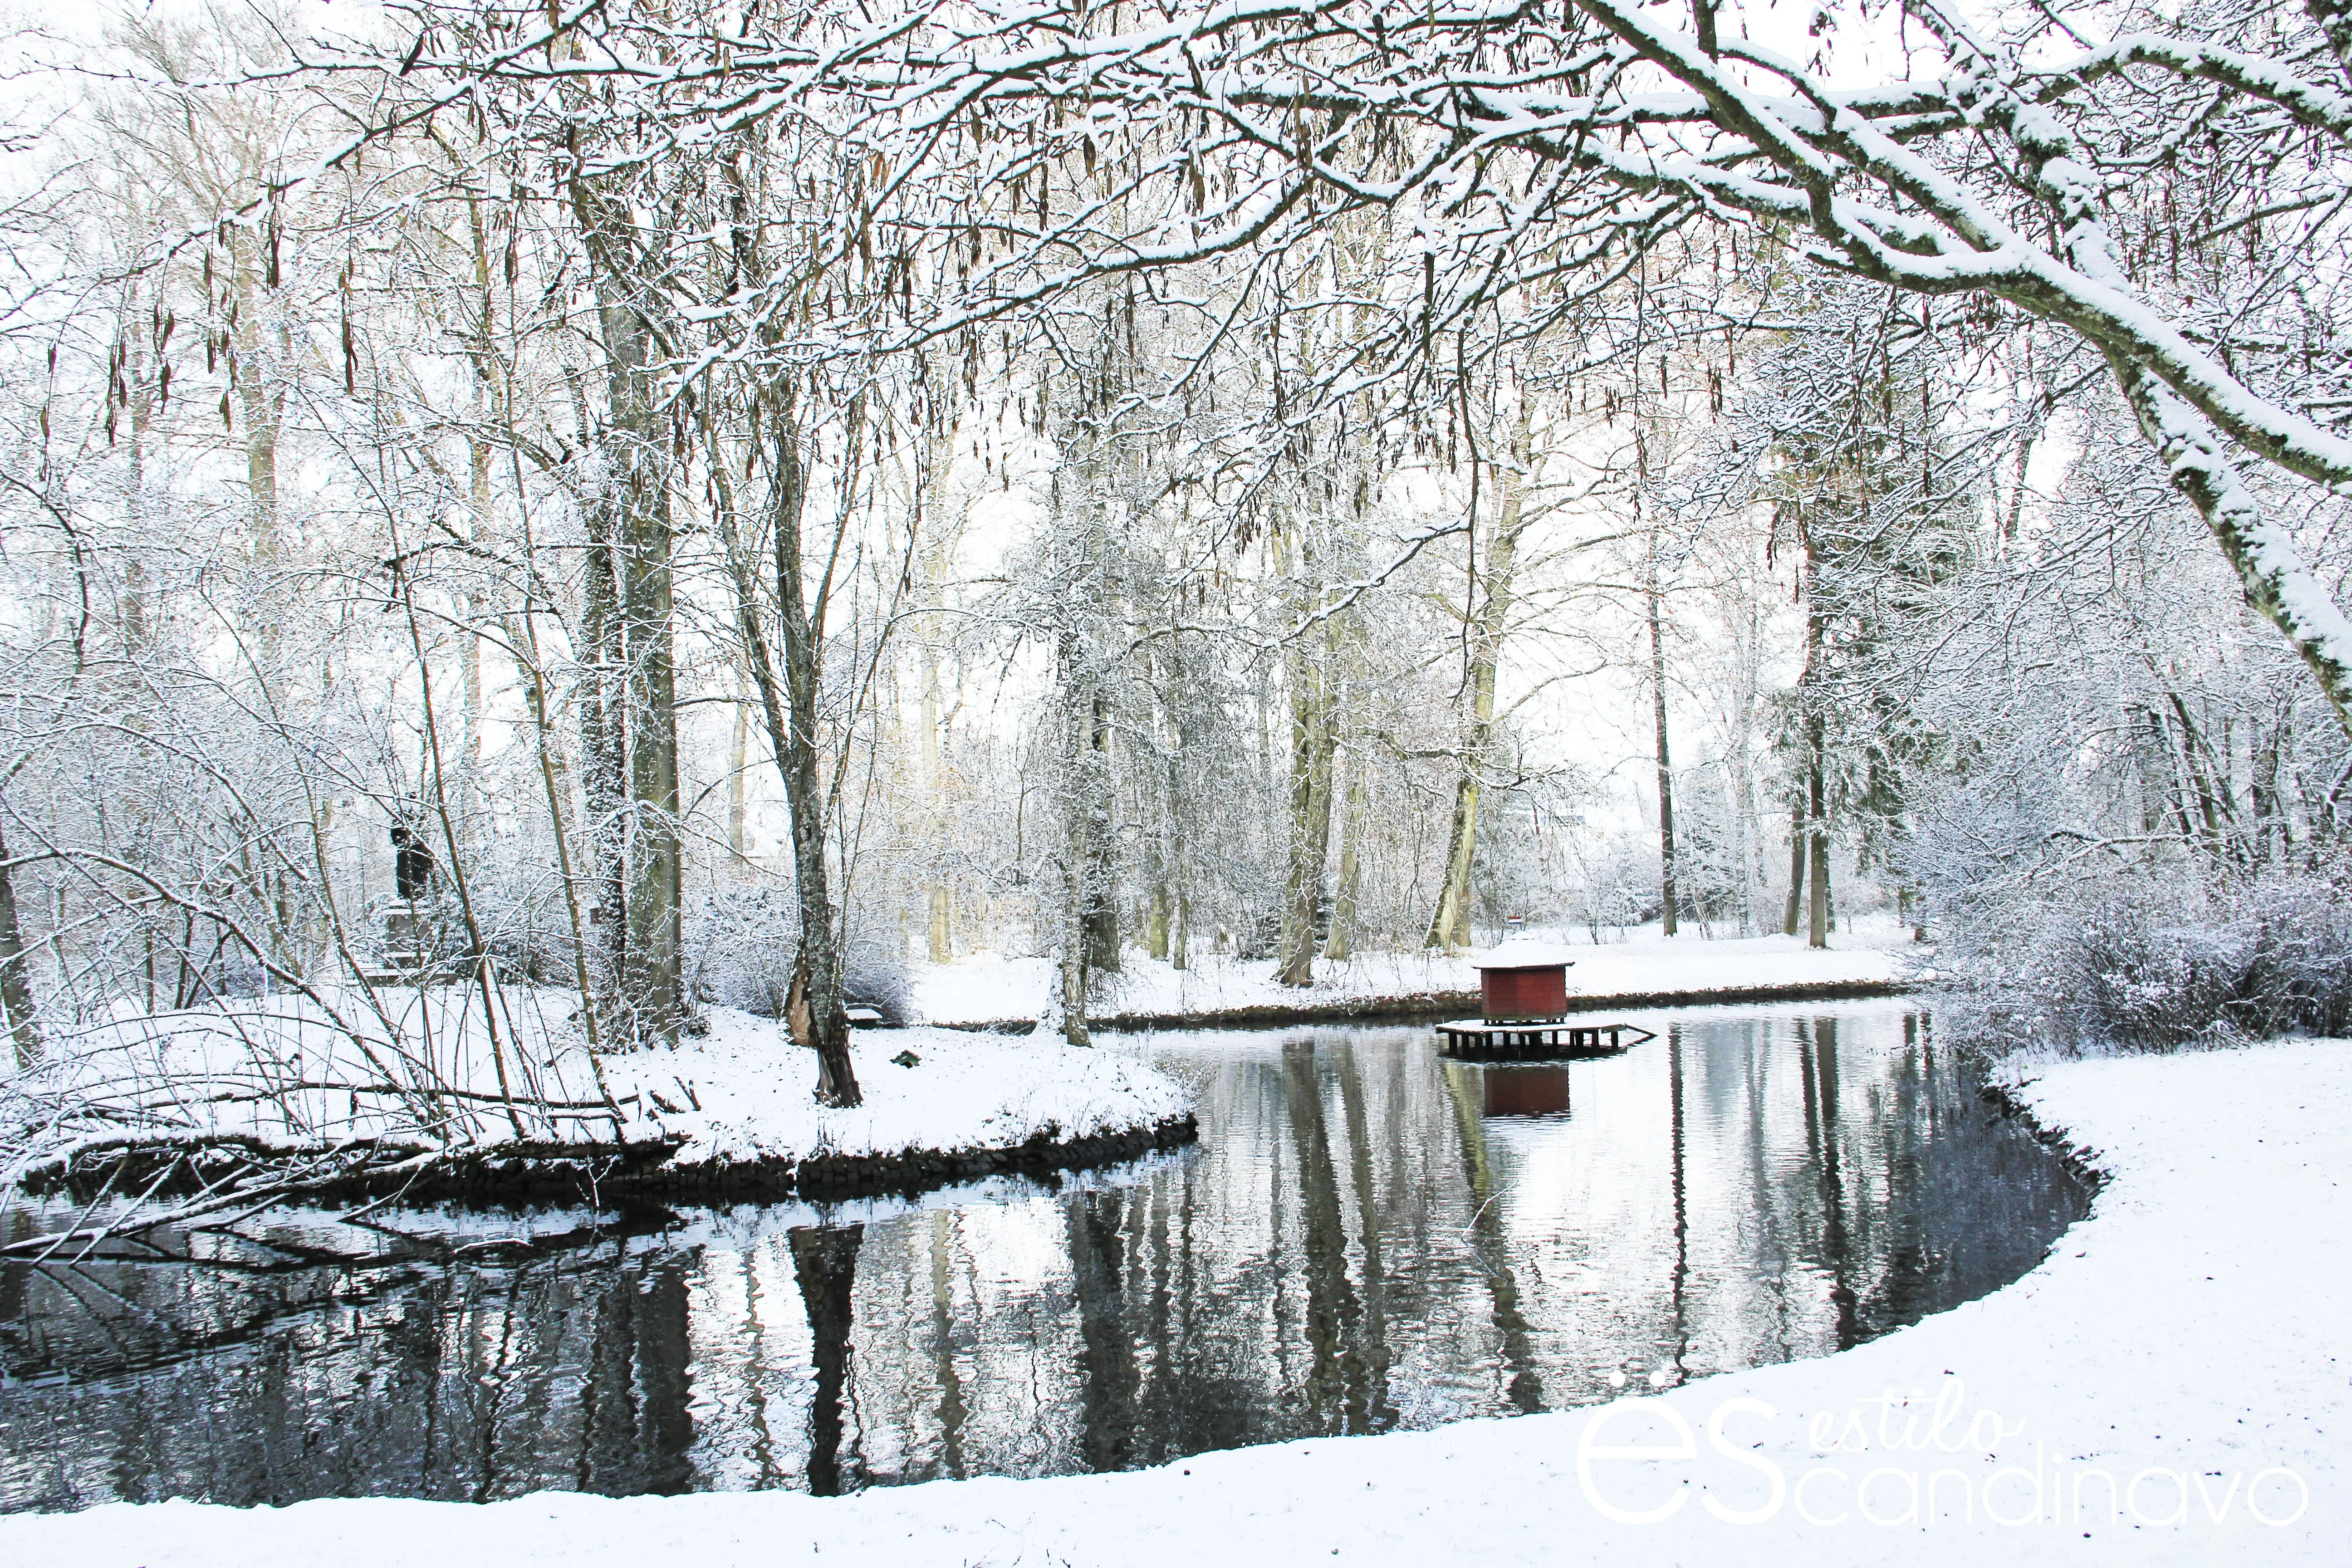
{"points": [[1368, 1236]]}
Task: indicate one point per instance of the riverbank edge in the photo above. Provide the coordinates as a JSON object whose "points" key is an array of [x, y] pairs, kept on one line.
{"points": [[604, 1173], [1421, 1006], [821, 1177], [2011, 1098]]}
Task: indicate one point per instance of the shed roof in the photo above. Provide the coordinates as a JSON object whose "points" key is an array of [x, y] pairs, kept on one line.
{"points": [[1523, 954]]}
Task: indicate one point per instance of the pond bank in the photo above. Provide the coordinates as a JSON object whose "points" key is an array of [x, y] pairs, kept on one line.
{"points": [[1645, 968], [730, 1114], [2181, 1357], [557, 1176], [1417, 1006]]}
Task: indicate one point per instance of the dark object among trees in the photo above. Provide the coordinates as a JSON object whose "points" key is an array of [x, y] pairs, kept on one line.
{"points": [[412, 862]]}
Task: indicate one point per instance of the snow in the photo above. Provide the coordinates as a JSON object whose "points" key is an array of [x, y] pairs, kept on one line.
{"points": [[2187, 1340], [965, 1091], [988, 987], [741, 1091], [1521, 953]]}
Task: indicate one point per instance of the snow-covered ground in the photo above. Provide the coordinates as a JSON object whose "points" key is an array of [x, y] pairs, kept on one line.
{"points": [[963, 1091], [259, 1068], [2173, 1386], [987, 987]]}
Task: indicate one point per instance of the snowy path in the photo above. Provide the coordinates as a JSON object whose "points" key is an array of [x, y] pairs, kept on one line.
{"points": [[988, 987], [2194, 1329]]}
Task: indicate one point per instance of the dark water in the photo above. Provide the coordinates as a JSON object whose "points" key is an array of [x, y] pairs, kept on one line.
{"points": [[1367, 1237]]}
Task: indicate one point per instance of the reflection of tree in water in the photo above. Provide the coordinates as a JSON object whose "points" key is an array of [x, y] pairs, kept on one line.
{"points": [[826, 1259], [952, 1410], [1337, 1378], [1492, 1241], [1377, 1413], [1108, 1380], [1356, 1246], [1824, 1142], [637, 1424], [455, 1383]]}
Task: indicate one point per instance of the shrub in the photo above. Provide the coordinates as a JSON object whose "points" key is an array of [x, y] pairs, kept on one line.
{"points": [[743, 942], [2154, 963]]}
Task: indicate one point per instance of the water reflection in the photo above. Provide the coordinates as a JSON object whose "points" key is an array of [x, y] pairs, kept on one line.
{"points": [[1367, 1237], [1518, 1090]]}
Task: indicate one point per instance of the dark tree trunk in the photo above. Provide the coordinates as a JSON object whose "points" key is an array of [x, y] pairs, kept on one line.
{"points": [[636, 456], [603, 772], [1817, 840], [1810, 852], [1796, 870], [817, 1015], [787, 697], [1101, 911], [1310, 813], [1665, 760], [16, 985], [1347, 896], [791, 732], [652, 970]]}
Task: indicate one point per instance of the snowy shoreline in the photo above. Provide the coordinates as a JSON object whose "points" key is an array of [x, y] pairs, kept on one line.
{"points": [[988, 990], [728, 1113], [2181, 1355], [1417, 1006]]}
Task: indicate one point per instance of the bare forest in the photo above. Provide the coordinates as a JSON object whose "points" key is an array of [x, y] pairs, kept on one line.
{"points": [[631, 509]]}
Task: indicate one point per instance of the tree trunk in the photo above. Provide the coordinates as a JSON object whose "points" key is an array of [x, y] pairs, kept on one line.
{"points": [[1101, 906], [603, 773], [1072, 977], [1797, 839], [738, 791], [1310, 809], [1344, 899], [524, 640], [651, 970], [937, 943], [1814, 844], [638, 514], [1175, 865], [793, 734], [15, 984], [1816, 839], [474, 749], [262, 401], [1155, 918], [1665, 760], [1085, 903], [1450, 927]]}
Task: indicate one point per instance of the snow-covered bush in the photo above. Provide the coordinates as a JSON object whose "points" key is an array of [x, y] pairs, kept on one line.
{"points": [[741, 942], [1619, 885], [2139, 961], [873, 972]]}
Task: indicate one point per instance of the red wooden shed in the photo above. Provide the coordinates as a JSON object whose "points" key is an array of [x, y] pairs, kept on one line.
{"points": [[1523, 980]]}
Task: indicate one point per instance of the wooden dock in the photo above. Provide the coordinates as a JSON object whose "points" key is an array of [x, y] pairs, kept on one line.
{"points": [[1482, 1039]]}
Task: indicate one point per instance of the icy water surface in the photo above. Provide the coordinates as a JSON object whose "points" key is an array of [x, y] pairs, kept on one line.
{"points": [[1367, 1237]]}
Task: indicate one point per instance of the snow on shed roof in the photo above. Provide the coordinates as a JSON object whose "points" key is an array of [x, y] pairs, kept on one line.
{"points": [[1529, 954]]}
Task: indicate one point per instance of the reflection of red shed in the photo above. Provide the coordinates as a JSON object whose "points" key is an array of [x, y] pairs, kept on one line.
{"points": [[1522, 980], [1525, 1092]]}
